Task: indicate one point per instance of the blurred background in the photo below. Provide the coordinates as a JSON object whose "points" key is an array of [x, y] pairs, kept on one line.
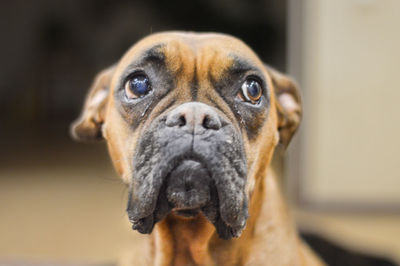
{"points": [[62, 201]]}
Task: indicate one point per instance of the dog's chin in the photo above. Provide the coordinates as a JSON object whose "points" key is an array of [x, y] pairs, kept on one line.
{"points": [[188, 186]]}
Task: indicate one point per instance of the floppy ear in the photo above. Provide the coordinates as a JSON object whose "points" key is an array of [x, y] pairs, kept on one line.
{"points": [[288, 105], [88, 125]]}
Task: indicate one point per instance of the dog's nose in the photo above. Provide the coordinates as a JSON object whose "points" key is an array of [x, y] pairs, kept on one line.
{"points": [[194, 118]]}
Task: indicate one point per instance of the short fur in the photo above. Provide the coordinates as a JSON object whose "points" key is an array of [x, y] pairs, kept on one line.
{"points": [[239, 216]]}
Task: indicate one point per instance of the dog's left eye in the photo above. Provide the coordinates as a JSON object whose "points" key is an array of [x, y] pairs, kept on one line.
{"points": [[137, 86], [250, 91]]}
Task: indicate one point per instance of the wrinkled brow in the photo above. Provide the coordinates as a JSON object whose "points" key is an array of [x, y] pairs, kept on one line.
{"points": [[155, 53], [152, 55], [241, 65]]}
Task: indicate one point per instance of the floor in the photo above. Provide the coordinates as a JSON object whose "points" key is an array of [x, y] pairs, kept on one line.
{"points": [[62, 202]]}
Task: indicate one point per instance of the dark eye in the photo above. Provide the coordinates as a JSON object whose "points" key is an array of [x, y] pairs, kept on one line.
{"points": [[250, 91], [137, 86]]}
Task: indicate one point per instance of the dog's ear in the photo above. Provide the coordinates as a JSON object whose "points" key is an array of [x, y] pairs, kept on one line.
{"points": [[288, 104], [88, 125]]}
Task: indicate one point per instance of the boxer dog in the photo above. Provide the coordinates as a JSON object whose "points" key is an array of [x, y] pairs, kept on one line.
{"points": [[191, 122]]}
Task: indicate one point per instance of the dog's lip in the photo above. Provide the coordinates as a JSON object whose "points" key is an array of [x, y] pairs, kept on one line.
{"points": [[175, 162], [187, 185], [216, 210], [182, 159], [191, 156], [186, 212]]}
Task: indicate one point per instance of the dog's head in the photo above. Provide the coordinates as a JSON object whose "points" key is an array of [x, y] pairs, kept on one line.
{"points": [[191, 121]]}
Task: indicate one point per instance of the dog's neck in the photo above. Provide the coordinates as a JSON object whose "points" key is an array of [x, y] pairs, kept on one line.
{"points": [[193, 241]]}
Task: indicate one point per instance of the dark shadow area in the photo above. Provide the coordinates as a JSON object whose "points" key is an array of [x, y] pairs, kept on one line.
{"points": [[51, 50], [335, 255]]}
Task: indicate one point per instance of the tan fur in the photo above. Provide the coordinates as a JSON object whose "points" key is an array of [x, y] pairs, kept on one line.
{"points": [[270, 236]]}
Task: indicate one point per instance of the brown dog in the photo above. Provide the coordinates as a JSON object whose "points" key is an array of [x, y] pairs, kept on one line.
{"points": [[191, 122]]}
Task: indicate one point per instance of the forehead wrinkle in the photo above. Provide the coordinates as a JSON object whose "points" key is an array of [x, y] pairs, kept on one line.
{"points": [[240, 65], [212, 63], [180, 61], [152, 55], [179, 57], [140, 55]]}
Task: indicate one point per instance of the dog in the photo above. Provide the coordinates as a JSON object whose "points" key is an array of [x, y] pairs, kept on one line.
{"points": [[191, 122]]}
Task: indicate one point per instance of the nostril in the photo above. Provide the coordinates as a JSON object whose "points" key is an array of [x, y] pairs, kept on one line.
{"points": [[176, 119], [210, 122], [182, 121]]}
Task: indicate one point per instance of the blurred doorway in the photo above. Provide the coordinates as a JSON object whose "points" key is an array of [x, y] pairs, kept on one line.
{"points": [[345, 56]]}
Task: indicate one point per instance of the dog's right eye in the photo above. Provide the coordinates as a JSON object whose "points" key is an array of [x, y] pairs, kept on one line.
{"points": [[137, 86]]}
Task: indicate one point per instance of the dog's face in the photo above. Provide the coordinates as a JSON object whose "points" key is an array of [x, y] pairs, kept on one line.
{"points": [[191, 122]]}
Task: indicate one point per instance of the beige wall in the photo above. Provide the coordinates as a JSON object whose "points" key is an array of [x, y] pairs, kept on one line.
{"points": [[346, 54]]}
